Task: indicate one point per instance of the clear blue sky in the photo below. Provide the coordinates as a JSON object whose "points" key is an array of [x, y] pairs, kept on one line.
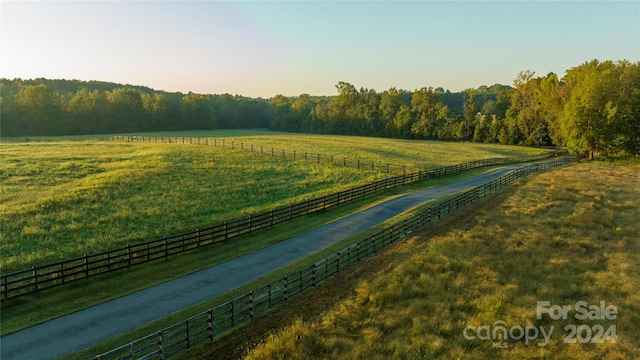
{"points": [[261, 49]]}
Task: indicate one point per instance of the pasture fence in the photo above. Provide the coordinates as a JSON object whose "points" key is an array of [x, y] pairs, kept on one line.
{"points": [[230, 143], [243, 310], [33, 280]]}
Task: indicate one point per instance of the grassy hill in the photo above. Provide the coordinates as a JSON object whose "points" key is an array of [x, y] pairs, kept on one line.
{"points": [[565, 236]]}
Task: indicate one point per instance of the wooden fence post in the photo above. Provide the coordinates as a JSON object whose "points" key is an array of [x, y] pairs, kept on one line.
{"points": [[160, 345], [251, 306], [35, 279], [373, 239], [86, 266], [286, 297], [186, 324], [210, 324], [313, 274], [166, 247], [233, 318]]}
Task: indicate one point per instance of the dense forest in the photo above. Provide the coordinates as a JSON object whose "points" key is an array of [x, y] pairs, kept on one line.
{"points": [[594, 108]]}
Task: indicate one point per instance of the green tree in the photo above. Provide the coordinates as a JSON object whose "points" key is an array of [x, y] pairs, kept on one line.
{"points": [[403, 122], [470, 106], [87, 112], [199, 111], [126, 110], [524, 112], [390, 103], [427, 111], [551, 95], [591, 120], [629, 108], [40, 110]]}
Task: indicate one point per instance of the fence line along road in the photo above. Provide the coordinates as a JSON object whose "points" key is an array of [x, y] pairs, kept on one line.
{"points": [[204, 327], [38, 278]]}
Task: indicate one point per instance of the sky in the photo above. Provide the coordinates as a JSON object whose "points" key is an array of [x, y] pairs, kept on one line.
{"points": [[265, 48]]}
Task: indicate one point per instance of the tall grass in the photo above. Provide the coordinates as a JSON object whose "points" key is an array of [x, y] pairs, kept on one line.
{"points": [[565, 236]]}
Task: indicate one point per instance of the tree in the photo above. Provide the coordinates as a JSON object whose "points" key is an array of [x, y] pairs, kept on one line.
{"points": [[390, 103], [199, 111], [470, 106], [86, 112], [125, 109], [592, 120], [403, 121], [551, 95], [40, 110], [426, 107], [524, 112], [629, 108]]}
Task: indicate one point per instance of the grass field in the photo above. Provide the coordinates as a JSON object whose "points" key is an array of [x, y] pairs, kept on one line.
{"points": [[67, 199], [415, 155], [565, 236]]}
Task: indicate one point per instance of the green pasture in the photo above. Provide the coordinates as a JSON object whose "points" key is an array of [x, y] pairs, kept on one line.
{"points": [[414, 154], [66, 199]]}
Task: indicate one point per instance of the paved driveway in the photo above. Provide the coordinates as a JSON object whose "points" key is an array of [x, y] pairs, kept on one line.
{"points": [[84, 328]]}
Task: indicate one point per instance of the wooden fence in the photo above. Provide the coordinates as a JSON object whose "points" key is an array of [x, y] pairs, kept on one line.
{"points": [[32, 281], [204, 327], [270, 151], [232, 144]]}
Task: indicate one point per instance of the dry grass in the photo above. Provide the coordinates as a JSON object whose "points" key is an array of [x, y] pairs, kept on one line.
{"points": [[565, 236]]}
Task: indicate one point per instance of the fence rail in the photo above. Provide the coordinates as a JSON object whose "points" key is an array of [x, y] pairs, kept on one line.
{"points": [[32, 281], [243, 310]]}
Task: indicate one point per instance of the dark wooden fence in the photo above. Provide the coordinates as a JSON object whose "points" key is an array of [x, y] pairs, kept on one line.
{"points": [[243, 310], [32, 281]]}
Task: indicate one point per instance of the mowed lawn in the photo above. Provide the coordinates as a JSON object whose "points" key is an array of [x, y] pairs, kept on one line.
{"points": [[66, 199], [569, 237]]}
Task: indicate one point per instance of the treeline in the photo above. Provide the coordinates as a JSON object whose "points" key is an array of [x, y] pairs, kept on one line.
{"points": [[44, 107], [594, 108]]}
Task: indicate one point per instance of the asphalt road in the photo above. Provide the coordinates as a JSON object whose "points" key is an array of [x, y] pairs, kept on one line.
{"points": [[87, 327]]}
